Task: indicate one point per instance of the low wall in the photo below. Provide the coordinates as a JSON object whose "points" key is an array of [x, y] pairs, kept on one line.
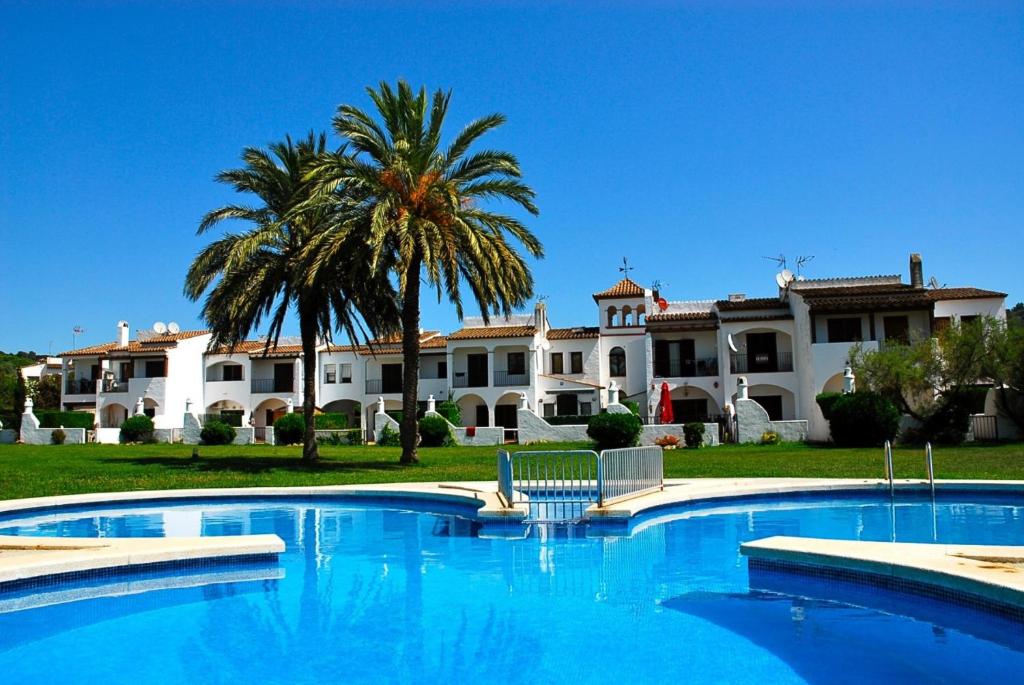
{"points": [[652, 432], [484, 435], [244, 435], [379, 422], [533, 428], [44, 436], [8, 436], [752, 422], [107, 436]]}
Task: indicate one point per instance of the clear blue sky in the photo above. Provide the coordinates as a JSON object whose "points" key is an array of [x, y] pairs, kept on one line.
{"points": [[692, 138]]}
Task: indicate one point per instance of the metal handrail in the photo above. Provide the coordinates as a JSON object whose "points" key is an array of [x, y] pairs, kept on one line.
{"points": [[629, 472], [888, 466], [929, 466]]}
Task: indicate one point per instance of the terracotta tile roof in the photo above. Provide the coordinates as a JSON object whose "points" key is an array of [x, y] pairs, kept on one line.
{"points": [[578, 333], [878, 296], [681, 316], [429, 340], [624, 288], [156, 343], [962, 294], [493, 332], [749, 304], [256, 348], [743, 318]]}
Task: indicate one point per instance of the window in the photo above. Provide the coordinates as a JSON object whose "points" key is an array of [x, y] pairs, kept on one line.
{"points": [[549, 409], [442, 369], [576, 362], [556, 363], [232, 372], [155, 368], [612, 311], [617, 362], [126, 371], [585, 409], [330, 373], [845, 330], [345, 373], [516, 363], [897, 329], [567, 405]]}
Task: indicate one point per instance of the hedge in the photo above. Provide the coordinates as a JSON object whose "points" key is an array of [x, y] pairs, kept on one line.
{"points": [[289, 429], [330, 421], [68, 419]]}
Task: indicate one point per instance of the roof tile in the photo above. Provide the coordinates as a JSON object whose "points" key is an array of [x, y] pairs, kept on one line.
{"points": [[624, 288]]}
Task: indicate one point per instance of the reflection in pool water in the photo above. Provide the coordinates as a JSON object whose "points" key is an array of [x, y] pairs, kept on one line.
{"points": [[376, 593]]}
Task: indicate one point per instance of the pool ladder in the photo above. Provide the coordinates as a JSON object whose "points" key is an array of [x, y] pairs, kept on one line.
{"points": [[929, 466]]}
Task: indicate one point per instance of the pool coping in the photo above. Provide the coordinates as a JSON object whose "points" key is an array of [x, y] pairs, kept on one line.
{"points": [[985, 576]]}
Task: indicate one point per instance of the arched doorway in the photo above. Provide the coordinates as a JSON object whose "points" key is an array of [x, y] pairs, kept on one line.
{"points": [[113, 415], [506, 411], [349, 408], [474, 410], [268, 411], [690, 403]]}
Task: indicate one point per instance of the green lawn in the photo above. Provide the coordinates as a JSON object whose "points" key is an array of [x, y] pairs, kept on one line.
{"points": [[30, 471]]}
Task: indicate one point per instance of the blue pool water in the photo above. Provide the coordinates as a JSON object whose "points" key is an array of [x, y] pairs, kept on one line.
{"points": [[381, 593]]}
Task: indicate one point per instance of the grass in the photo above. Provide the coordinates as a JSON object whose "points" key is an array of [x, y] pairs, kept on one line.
{"points": [[35, 470]]}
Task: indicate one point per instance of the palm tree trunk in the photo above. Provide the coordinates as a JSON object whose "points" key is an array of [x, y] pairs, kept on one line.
{"points": [[409, 428], [309, 448]]}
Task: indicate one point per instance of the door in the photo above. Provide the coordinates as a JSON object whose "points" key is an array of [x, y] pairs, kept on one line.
{"points": [[684, 411], [505, 416], [284, 378], [687, 357], [476, 368], [772, 404], [567, 405], [482, 417], [761, 352], [391, 377]]}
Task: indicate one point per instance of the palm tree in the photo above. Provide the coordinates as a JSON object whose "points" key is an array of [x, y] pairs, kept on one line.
{"points": [[262, 272], [419, 206]]}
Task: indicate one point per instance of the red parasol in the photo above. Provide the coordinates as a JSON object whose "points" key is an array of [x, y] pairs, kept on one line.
{"points": [[666, 415]]}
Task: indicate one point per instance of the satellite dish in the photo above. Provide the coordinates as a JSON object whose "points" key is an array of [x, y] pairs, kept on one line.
{"points": [[159, 328], [732, 345], [787, 276], [933, 283], [662, 303], [173, 328], [780, 281]]}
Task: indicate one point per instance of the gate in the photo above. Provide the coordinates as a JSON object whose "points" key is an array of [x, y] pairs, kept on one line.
{"points": [[985, 427]]}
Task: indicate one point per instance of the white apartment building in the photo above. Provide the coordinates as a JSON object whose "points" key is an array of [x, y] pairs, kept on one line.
{"points": [[790, 346]]}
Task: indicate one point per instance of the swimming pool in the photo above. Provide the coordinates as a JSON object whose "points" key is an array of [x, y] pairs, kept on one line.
{"points": [[383, 592]]}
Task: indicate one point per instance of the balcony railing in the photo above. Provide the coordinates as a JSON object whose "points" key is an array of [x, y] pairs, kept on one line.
{"points": [[687, 368], [378, 386], [461, 380], [761, 363], [83, 386], [506, 378], [272, 385], [115, 386]]}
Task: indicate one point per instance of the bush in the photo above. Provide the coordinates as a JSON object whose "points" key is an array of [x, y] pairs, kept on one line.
{"points": [[57, 437], [863, 419], [949, 422], [389, 437], [450, 411], [289, 429], [770, 438], [330, 421], [693, 433], [217, 433], [631, 406], [434, 432], [137, 428], [67, 419], [614, 430], [826, 401]]}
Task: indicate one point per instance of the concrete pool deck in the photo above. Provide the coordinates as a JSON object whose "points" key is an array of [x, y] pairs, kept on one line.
{"points": [[997, 574]]}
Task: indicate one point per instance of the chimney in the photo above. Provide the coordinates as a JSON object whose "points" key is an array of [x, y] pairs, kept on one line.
{"points": [[540, 317], [737, 297], [122, 334], [916, 271]]}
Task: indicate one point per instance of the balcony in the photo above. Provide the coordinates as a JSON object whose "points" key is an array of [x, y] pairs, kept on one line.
{"points": [[461, 380], [84, 386], [112, 386], [761, 363], [686, 368], [378, 386], [273, 385], [504, 379]]}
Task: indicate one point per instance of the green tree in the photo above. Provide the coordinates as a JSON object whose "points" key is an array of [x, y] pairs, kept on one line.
{"points": [[1015, 315], [1004, 364], [262, 273], [419, 207]]}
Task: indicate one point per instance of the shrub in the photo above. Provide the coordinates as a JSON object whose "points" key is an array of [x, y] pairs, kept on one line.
{"points": [[614, 430], [137, 428], [57, 436], [330, 421], [863, 419], [826, 401], [389, 437], [693, 433], [669, 442], [769, 438], [949, 422], [217, 433], [289, 429], [355, 437], [434, 432], [67, 419], [450, 411], [631, 406]]}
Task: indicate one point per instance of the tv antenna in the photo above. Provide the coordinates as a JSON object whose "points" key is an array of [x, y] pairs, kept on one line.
{"points": [[75, 332], [801, 260], [625, 268], [780, 260], [658, 284]]}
